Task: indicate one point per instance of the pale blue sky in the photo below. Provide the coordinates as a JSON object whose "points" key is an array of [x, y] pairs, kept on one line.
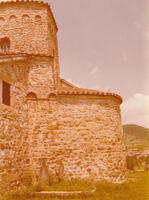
{"points": [[103, 44]]}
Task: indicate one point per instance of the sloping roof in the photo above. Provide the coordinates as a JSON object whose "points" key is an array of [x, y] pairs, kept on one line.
{"points": [[65, 83], [72, 90], [32, 1]]}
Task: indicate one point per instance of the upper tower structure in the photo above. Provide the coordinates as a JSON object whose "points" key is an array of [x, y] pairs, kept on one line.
{"points": [[27, 27]]}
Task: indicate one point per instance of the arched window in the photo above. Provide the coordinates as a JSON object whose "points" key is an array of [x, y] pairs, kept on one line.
{"points": [[38, 19], [5, 45], [52, 95], [13, 18], [32, 96], [25, 18]]}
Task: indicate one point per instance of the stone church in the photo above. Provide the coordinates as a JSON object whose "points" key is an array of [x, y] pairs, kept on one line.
{"points": [[42, 116]]}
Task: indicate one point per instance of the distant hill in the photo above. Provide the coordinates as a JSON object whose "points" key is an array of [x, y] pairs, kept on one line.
{"points": [[136, 131], [136, 136]]}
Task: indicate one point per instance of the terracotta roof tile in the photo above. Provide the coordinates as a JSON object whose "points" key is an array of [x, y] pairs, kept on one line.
{"points": [[81, 91]]}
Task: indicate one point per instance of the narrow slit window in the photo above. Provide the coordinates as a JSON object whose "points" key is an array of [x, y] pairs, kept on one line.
{"points": [[6, 93], [4, 45]]}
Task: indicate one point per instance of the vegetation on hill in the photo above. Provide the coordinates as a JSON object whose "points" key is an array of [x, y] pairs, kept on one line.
{"points": [[137, 140], [136, 137], [136, 131]]}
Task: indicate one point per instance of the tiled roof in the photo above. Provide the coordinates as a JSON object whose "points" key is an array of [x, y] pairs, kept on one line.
{"points": [[80, 91], [31, 1], [63, 81]]}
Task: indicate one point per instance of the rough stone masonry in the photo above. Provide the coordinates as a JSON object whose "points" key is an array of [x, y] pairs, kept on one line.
{"points": [[43, 116]]}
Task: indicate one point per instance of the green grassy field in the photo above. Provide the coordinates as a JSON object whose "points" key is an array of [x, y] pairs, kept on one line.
{"points": [[136, 188]]}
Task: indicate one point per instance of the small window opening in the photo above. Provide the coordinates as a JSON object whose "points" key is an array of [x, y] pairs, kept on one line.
{"points": [[32, 96], [13, 18], [26, 18], [4, 45], [38, 19], [52, 95], [6, 93]]}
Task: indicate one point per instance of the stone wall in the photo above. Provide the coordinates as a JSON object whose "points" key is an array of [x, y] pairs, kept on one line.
{"points": [[43, 76], [84, 132], [41, 119], [91, 136], [13, 120], [26, 25]]}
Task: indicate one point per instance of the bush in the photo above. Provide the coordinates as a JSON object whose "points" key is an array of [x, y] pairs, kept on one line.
{"points": [[138, 164]]}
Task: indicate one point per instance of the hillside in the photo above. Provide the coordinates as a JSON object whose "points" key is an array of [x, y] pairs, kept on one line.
{"points": [[136, 136]]}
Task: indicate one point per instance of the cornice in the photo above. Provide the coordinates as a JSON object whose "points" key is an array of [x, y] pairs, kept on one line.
{"points": [[32, 1], [88, 92]]}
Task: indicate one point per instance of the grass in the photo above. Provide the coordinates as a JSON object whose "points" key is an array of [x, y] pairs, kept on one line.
{"points": [[139, 145], [67, 185], [137, 188]]}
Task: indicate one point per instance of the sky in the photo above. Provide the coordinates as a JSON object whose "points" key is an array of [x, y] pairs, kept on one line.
{"points": [[104, 45]]}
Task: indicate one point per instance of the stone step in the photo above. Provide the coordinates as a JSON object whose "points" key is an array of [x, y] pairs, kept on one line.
{"points": [[64, 194]]}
